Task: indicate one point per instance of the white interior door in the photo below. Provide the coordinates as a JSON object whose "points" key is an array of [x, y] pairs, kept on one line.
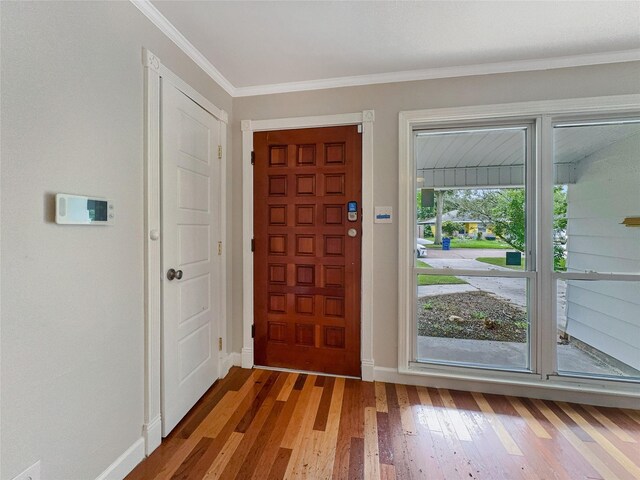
{"points": [[190, 235]]}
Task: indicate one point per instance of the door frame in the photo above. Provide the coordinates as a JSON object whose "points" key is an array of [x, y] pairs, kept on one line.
{"points": [[364, 119], [154, 73]]}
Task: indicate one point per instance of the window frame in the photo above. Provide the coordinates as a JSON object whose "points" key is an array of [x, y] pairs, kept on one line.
{"points": [[544, 114], [529, 126]]}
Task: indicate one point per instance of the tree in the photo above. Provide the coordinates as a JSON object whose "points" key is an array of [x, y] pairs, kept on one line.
{"points": [[510, 218], [560, 208], [503, 209], [444, 202], [559, 227], [439, 208]]}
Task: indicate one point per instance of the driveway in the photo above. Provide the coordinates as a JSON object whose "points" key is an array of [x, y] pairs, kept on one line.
{"points": [[465, 253], [513, 290]]}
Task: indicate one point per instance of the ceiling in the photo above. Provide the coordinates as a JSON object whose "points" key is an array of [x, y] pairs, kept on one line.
{"points": [[265, 47]]}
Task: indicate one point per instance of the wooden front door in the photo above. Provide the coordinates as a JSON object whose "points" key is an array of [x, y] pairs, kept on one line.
{"points": [[306, 263]]}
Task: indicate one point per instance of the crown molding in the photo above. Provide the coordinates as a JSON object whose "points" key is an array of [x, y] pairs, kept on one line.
{"points": [[445, 72], [160, 21], [166, 27]]}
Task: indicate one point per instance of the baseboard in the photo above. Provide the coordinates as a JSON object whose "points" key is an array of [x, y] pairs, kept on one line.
{"points": [[152, 433], [548, 391], [368, 370], [226, 362], [247, 358], [125, 462], [236, 359], [233, 359]]}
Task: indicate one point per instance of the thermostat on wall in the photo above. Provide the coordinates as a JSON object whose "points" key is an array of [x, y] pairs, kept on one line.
{"points": [[79, 210]]}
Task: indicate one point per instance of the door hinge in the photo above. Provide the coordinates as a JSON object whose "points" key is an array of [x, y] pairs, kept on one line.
{"points": [[253, 158], [253, 245], [253, 330], [219, 152], [219, 248], [220, 344]]}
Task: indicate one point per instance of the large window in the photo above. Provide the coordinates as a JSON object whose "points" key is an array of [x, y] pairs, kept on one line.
{"points": [[520, 243], [473, 269]]}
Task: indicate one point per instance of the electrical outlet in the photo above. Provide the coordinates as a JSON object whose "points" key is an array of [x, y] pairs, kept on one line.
{"points": [[31, 473]]}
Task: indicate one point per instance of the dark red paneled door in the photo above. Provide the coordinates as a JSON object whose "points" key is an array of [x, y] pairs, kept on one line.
{"points": [[306, 263]]}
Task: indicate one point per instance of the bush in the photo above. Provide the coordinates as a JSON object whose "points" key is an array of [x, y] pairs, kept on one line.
{"points": [[450, 228], [559, 257]]}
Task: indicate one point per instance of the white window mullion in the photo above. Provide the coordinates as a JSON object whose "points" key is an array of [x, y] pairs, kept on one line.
{"points": [[406, 238], [532, 228], [547, 315], [474, 273]]}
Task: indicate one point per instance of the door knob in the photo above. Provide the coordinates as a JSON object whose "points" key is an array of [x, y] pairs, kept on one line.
{"points": [[171, 274]]}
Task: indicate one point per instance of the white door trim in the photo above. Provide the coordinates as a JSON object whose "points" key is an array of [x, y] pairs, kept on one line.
{"points": [[154, 72], [364, 118]]}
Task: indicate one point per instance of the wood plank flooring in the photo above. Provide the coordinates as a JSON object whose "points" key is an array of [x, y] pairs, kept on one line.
{"points": [[258, 424]]}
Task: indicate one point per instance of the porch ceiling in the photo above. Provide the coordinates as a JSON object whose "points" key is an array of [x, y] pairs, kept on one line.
{"points": [[495, 157], [506, 147]]}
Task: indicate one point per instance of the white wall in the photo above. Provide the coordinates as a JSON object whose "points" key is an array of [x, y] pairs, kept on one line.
{"points": [[72, 297], [605, 314], [388, 100]]}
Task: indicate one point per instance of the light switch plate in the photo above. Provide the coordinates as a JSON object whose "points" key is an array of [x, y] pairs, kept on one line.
{"points": [[383, 215], [31, 473]]}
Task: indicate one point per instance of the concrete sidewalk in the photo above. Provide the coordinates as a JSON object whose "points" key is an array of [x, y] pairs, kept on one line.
{"points": [[512, 290], [466, 253], [511, 355]]}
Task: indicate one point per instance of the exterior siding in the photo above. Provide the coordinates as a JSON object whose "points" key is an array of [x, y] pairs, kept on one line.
{"points": [[606, 315]]}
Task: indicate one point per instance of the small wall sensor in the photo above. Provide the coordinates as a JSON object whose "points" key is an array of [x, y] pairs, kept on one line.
{"points": [[80, 210]]}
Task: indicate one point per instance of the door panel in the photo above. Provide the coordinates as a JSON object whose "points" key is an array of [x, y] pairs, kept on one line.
{"points": [[307, 268], [190, 227]]}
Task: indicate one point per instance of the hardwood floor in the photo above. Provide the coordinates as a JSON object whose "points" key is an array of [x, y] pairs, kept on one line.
{"points": [[257, 424]]}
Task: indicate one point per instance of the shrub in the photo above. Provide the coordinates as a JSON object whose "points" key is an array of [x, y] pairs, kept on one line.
{"points": [[450, 228]]}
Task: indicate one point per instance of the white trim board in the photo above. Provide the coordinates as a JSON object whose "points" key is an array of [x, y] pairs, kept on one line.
{"points": [[366, 119], [166, 27], [443, 72], [543, 352], [579, 392], [160, 21], [227, 361], [125, 463], [154, 73]]}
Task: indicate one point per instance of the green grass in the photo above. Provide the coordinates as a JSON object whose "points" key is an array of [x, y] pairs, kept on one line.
{"points": [[500, 262], [436, 279], [470, 243]]}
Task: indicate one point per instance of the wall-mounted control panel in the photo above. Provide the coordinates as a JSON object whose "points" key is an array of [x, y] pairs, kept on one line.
{"points": [[79, 210]]}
